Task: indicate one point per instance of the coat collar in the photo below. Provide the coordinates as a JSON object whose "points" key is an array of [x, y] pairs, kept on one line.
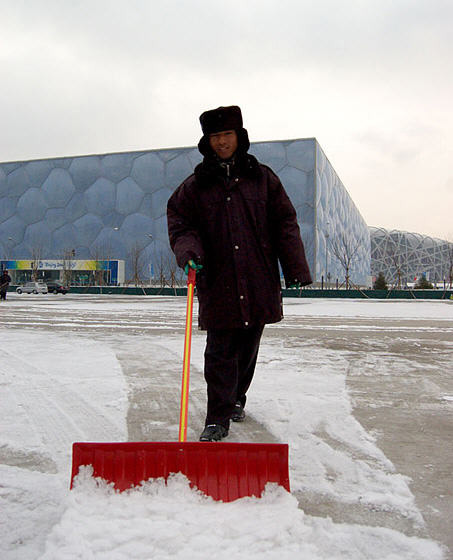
{"points": [[212, 169]]}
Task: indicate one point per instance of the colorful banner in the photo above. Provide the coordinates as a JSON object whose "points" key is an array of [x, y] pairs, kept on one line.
{"points": [[70, 264]]}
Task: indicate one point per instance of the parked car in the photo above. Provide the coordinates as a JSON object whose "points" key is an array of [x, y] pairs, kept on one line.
{"points": [[57, 288], [32, 288]]}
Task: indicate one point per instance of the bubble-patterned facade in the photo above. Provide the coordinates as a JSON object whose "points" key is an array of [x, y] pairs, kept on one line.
{"points": [[404, 257], [104, 206]]}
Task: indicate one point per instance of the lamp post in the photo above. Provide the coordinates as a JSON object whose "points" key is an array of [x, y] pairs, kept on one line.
{"points": [[151, 271], [327, 251], [113, 251], [9, 248], [9, 256]]}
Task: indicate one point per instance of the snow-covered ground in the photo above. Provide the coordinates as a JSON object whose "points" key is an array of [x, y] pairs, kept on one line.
{"points": [[84, 368]]}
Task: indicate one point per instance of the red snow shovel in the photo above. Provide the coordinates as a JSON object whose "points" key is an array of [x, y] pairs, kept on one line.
{"points": [[225, 471]]}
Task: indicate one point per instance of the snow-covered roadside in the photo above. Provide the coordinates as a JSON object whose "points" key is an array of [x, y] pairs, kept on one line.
{"points": [[370, 308], [73, 389]]}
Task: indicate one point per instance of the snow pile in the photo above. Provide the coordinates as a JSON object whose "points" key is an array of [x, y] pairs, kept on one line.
{"points": [[172, 521]]}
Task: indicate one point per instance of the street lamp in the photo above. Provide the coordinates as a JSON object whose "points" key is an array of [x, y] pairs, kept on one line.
{"points": [[151, 270], [113, 250], [6, 256], [327, 250], [10, 245]]}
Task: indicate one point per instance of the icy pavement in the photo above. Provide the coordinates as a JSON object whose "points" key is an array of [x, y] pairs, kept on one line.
{"points": [[361, 391]]}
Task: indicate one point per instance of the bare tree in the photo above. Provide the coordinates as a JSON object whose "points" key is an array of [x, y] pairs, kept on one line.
{"points": [[398, 259], [399, 266], [345, 249], [168, 272], [137, 260], [161, 270], [175, 274], [36, 257], [68, 257], [101, 253]]}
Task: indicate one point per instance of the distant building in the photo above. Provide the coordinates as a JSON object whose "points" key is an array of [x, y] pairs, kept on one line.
{"points": [[405, 257], [67, 270], [112, 207]]}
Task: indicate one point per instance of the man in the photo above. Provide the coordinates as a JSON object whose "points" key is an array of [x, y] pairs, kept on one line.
{"points": [[232, 221], [5, 280]]}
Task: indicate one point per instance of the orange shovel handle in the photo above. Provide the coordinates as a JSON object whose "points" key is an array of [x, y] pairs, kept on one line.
{"points": [[186, 360]]}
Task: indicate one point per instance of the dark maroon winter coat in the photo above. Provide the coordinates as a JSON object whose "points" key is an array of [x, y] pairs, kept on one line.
{"points": [[238, 222]]}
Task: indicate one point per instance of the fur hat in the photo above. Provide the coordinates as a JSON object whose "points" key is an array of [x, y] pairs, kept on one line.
{"points": [[222, 118]]}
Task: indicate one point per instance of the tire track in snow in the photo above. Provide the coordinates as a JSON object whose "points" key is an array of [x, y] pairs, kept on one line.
{"points": [[55, 413]]}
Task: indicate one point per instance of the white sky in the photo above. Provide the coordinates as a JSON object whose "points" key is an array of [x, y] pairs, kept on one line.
{"points": [[372, 80]]}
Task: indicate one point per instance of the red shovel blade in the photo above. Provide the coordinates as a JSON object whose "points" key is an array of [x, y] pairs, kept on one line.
{"points": [[224, 471]]}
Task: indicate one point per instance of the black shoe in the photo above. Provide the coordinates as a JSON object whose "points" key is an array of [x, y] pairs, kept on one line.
{"points": [[213, 432], [239, 413]]}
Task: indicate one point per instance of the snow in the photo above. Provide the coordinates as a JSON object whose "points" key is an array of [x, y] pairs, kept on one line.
{"points": [[371, 308], [64, 385], [321, 394], [174, 521]]}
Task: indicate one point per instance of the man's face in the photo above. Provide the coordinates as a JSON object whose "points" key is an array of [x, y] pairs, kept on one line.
{"points": [[224, 143]]}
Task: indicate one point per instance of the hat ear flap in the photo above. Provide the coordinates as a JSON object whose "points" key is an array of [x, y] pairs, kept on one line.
{"points": [[204, 147], [243, 140]]}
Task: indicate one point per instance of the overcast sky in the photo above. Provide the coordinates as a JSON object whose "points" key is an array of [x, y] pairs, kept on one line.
{"points": [[372, 80]]}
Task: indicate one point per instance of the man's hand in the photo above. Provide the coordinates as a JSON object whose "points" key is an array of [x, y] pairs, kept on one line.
{"points": [[194, 265], [294, 285]]}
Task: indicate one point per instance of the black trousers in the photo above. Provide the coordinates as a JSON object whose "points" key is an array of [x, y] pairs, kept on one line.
{"points": [[230, 360]]}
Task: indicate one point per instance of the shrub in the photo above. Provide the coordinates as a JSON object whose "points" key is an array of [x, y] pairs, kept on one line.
{"points": [[380, 283], [423, 284]]}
